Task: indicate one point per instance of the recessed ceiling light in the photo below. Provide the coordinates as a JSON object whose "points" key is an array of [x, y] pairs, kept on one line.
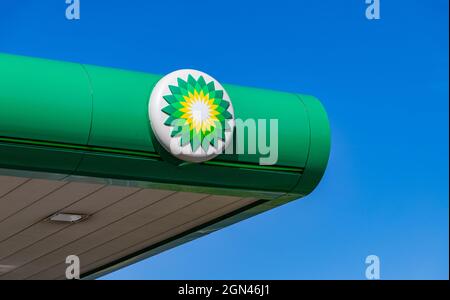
{"points": [[67, 217]]}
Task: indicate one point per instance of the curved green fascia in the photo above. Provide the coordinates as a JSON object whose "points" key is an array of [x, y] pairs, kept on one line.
{"points": [[93, 121], [120, 113], [293, 131], [39, 101], [319, 149], [31, 107]]}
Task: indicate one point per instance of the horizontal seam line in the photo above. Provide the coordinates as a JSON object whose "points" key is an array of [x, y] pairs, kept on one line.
{"points": [[144, 154]]}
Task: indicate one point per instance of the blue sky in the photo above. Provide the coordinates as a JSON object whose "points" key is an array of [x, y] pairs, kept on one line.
{"points": [[383, 82]]}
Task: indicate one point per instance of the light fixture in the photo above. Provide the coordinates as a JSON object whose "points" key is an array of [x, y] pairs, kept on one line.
{"points": [[67, 217]]}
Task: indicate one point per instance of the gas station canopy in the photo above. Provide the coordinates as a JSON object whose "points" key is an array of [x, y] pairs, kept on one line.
{"points": [[92, 165]]}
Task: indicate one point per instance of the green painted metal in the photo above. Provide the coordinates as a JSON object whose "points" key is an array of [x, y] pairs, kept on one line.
{"points": [[44, 100], [120, 111], [37, 101], [93, 121], [319, 147]]}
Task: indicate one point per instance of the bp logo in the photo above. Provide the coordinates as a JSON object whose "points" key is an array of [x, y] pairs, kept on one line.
{"points": [[191, 115]]}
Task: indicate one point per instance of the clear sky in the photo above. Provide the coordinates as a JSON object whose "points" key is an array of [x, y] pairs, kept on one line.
{"points": [[383, 82]]}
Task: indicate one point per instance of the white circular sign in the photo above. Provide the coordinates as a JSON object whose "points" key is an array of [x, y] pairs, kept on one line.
{"points": [[191, 115]]}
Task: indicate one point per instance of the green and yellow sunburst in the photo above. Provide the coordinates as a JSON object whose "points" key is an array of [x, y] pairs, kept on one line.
{"points": [[197, 112]]}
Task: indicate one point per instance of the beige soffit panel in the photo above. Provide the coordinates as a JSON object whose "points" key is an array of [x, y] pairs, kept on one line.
{"points": [[121, 221]]}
